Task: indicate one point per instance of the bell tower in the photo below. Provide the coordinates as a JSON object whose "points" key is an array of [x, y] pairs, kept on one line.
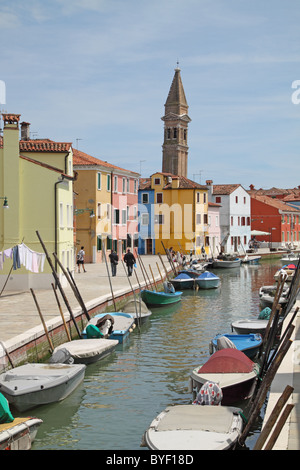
{"points": [[175, 146]]}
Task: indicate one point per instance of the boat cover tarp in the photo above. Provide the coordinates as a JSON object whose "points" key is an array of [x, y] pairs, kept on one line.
{"points": [[182, 276], [265, 314], [208, 418], [228, 361], [210, 394], [208, 275], [5, 414], [225, 342], [81, 349]]}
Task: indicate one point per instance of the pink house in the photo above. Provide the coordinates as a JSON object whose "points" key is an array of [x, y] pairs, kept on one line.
{"points": [[124, 211], [214, 230]]}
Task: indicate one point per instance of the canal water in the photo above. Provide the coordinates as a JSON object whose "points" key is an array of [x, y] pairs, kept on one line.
{"points": [[122, 394]]}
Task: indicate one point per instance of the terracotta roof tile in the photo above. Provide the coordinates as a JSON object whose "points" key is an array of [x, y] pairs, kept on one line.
{"points": [[83, 159], [44, 145], [224, 189], [278, 203]]}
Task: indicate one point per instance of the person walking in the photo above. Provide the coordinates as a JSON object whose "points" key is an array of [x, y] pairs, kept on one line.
{"points": [[80, 259], [113, 262], [129, 260]]}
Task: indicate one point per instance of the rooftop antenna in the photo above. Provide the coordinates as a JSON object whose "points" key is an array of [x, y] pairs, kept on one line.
{"points": [[77, 140]]}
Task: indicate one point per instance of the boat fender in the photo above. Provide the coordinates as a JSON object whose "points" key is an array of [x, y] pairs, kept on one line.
{"points": [[211, 348]]}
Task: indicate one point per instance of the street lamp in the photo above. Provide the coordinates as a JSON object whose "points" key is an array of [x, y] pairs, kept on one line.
{"points": [[5, 203]]}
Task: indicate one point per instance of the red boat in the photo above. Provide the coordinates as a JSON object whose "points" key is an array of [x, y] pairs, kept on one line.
{"points": [[232, 370]]}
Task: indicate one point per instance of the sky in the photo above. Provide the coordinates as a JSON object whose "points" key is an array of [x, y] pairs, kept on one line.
{"points": [[97, 73]]}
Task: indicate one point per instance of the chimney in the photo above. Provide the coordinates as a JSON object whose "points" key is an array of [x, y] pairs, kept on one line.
{"points": [[25, 130], [251, 187], [210, 188]]}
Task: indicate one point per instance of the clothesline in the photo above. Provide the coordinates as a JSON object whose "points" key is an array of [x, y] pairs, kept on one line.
{"points": [[21, 255]]}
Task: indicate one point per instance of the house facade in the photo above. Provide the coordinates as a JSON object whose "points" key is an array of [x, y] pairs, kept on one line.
{"points": [[214, 229], [235, 215], [280, 220], [180, 213], [146, 217], [106, 207], [37, 180]]}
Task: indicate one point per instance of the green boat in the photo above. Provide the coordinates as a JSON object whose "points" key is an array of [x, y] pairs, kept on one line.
{"points": [[158, 299]]}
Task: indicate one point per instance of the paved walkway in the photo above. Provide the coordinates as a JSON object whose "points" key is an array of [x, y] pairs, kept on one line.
{"points": [[20, 321]]}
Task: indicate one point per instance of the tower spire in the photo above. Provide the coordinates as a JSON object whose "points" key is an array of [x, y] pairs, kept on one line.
{"points": [[176, 119]]}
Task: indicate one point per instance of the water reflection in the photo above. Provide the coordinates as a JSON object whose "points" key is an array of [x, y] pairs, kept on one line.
{"points": [[121, 395]]}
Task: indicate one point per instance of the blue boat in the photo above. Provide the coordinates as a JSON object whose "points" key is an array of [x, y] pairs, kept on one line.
{"points": [[122, 327], [208, 280], [249, 344], [183, 281], [190, 272]]}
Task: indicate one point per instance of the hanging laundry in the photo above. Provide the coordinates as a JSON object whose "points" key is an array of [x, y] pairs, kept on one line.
{"points": [[16, 258]]}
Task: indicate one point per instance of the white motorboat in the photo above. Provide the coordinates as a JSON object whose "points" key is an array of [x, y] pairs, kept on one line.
{"points": [[244, 327], [19, 434], [227, 263], [88, 351], [289, 258], [31, 385], [138, 309], [195, 427]]}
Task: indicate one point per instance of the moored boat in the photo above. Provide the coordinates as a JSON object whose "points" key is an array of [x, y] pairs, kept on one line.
{"points": [[183, 281], [287, 272], [207, 280], [158, 299], [31, 385], [19, 434], [89, 350], [249, 344], [232, 370], [250, 259], [244, 327], [227, 263], [194, 427], [138, 309], [289, 258], [115, 325]]}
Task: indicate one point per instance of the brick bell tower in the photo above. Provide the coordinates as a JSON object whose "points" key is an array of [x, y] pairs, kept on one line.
{"points": [[175, 146]]}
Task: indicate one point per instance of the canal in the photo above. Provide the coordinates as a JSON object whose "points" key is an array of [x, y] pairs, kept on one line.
{"points": [[122, 394]]}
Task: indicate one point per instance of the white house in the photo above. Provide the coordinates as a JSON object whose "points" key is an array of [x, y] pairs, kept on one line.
{"points": [[235, 215]]}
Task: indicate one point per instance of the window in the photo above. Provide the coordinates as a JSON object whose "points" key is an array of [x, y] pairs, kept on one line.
{"points": [[108, 211], [108, 242], [99, 210], [244, 200], [168, 133], [217, 221], [198, 219], [134, 213], [231, 220], [198, 240], [128, 185], [123, 185], [204, 198], [145, 198], [236, 199], [243, 221], [98, 180], [205, 219], [135, 186], [61, 215], [145, 219], [159, 198], [99, 243], [175, 132], [115, 184], [116, 216], [124, 216], [159, 219], [156, 180], [218, 199], [108, 183], [198, 197]]}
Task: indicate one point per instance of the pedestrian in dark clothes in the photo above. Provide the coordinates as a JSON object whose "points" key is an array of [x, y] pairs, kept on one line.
{"points": [[129, 260]]}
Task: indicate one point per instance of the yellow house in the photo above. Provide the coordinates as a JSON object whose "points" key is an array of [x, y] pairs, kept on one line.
{"points": [[180, 208], [37, 180]]}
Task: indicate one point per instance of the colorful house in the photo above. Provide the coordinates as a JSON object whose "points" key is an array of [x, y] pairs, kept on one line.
{"points": [[180, 213], [214, 229], [277, 218], [235, 216], [146, 217], [37, 180], [106, 207]]}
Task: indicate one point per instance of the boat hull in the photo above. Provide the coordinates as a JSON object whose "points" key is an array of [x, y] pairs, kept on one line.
{"points": [[249, 344], [207, 280], [32, 385], [244, 327], [251, 259], [19, 434], [159, 299], [182, 284], [220, 263], [90, 350], [194, 427]]}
